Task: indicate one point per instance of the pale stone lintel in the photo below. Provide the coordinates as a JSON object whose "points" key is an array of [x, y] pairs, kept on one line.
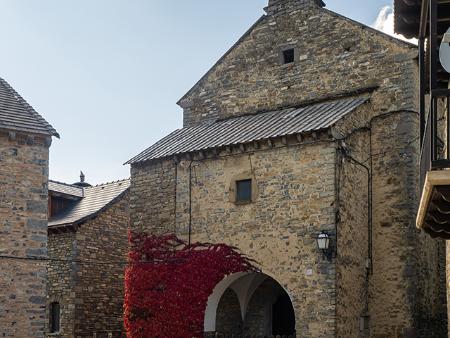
{"points": [[433, 179]]}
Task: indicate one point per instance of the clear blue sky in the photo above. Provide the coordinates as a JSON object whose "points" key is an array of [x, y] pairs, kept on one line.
{"points": [[107, 73]]}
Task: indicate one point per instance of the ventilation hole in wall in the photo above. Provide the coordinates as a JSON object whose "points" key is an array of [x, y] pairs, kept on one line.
{"points": [[288, 56]]}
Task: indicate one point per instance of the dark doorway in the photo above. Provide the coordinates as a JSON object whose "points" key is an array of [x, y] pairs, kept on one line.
{"points": [[283, 317], [55, 314]]}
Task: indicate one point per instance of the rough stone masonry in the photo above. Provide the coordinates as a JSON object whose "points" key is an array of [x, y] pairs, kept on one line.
{"points": [[23, 211], [25, 138], [357, 180]]}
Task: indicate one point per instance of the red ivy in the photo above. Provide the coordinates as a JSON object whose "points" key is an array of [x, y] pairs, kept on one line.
{"points": [[167, 284]]}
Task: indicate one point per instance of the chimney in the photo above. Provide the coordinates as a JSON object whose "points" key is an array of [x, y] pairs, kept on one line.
{"points": [[276, 6], [82, 182], [82, 177]]}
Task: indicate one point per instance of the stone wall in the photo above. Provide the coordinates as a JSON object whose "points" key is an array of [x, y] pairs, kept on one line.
{"points": [[353, 228], [335, 55], [152, 197], [406, 287], [403, 285], [103, 246], [91, 289], [301, 189], [294, 202], [23, 233], [62, 249]]}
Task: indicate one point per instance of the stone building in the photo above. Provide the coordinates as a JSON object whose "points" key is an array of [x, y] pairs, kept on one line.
{"points": [[305, 130], [25, 138], [428, 22], [88, 244]]}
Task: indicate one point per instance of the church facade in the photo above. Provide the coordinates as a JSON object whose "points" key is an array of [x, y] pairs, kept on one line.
{"points": [[306, 129]]}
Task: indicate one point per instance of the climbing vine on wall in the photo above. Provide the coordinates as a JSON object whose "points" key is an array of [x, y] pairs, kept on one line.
{"points": [[168, 282]]}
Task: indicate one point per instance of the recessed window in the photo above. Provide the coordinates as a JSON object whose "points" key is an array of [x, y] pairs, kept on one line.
{"points": [[288, 56], [364, 323], [55, 320], [244, 191]]}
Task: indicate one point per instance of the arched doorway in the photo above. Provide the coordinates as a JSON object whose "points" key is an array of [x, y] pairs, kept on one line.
{"points": [[228, 317], [251, 304], [283, 316]]}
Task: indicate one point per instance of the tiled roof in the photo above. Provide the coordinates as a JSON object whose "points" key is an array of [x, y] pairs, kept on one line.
{"points": [[17, 115], [65, 189], [94, 201], [250, 128]]}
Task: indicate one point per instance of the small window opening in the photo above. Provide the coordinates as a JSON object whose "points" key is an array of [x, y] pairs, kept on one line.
{"points": [[289, 56], [55, 313], [364, 323], [244, 191]]}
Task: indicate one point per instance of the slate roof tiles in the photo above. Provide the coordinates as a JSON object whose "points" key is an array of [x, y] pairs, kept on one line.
{"points": [[250, 128], [17, 115], [95, 199]]}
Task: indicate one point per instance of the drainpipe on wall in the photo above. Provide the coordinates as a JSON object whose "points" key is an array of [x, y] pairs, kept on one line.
{"points": [[346, 155], [190, 202]]}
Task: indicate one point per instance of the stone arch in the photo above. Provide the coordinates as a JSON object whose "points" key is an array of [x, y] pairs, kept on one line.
{"points": [[228, 317], [270, 311], [244, 286]]}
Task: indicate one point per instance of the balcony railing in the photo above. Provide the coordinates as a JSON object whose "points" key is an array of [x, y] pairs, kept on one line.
{"points": [[435, 141]]}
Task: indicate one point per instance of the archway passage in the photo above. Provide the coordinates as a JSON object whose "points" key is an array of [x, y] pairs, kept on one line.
{"points": [[283, 317], [229, 317], [250, 305]]}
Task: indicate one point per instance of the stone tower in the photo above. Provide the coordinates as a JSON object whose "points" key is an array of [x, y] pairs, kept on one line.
{"points": [[25, 138]]}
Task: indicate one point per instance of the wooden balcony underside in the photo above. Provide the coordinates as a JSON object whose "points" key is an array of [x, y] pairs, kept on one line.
{"points": [[434, 210]]}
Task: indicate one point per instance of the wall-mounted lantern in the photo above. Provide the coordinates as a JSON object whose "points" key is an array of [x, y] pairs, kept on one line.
{"points": [[324, 244]]}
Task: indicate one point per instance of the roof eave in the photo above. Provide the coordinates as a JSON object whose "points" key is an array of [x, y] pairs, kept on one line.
{"points": [[30, 132], [90, 216], [175, 155]]}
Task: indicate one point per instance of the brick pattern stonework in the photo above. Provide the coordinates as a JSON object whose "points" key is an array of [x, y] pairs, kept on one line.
{"points": [[90, 287], [23, 233], [383, 269]]}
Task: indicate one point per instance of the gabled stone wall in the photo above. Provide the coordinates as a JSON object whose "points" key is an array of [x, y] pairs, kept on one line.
{"points": [[303, 190], [23, 234], [88, 281], [334, 55]]}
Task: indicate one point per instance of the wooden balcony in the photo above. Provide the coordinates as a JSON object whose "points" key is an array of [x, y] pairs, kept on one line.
{"points": [[434, 209], [428, 20]]}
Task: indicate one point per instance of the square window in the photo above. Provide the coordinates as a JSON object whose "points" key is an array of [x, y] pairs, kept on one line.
{"points": [[288, 56], [244, 191]]}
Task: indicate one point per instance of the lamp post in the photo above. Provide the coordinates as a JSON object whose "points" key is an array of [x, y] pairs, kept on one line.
{"points": [[323, 244]]}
